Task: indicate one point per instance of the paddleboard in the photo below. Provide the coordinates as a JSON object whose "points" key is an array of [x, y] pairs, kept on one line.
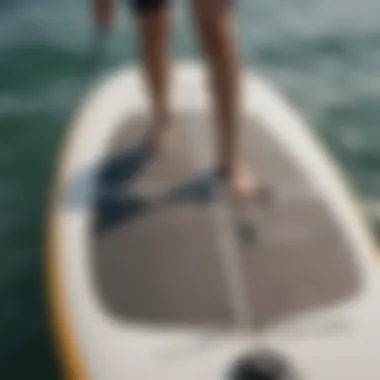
{"points": [[154, 271]]}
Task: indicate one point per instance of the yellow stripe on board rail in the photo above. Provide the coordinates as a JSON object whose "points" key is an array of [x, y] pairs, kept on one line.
{"points": [[66, 344], [63, 335]]}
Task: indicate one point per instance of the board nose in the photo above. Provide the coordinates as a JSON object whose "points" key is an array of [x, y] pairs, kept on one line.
{"points": [[266, 365]]}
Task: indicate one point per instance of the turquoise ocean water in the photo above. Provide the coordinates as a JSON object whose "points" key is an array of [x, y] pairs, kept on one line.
{"points": [[324, 55]]}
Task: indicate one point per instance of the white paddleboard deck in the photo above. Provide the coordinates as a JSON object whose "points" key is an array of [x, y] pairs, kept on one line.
{"points": [[165, 277]]}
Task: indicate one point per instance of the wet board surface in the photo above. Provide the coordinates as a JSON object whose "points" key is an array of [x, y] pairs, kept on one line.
{"points": [[170, 247]]}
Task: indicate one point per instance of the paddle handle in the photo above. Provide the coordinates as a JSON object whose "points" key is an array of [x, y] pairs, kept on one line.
{"points": [[103, 11]]}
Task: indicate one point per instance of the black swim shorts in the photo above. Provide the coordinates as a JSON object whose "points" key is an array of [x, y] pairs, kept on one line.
{"points": [[142, 6]]}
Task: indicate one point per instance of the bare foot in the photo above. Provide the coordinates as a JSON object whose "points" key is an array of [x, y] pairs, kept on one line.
{"points": [[241, 183], [162, 137], [243, 186]]}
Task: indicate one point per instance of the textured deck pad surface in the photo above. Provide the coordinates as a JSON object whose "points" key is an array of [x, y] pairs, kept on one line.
{"points": [[164, 237]]}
